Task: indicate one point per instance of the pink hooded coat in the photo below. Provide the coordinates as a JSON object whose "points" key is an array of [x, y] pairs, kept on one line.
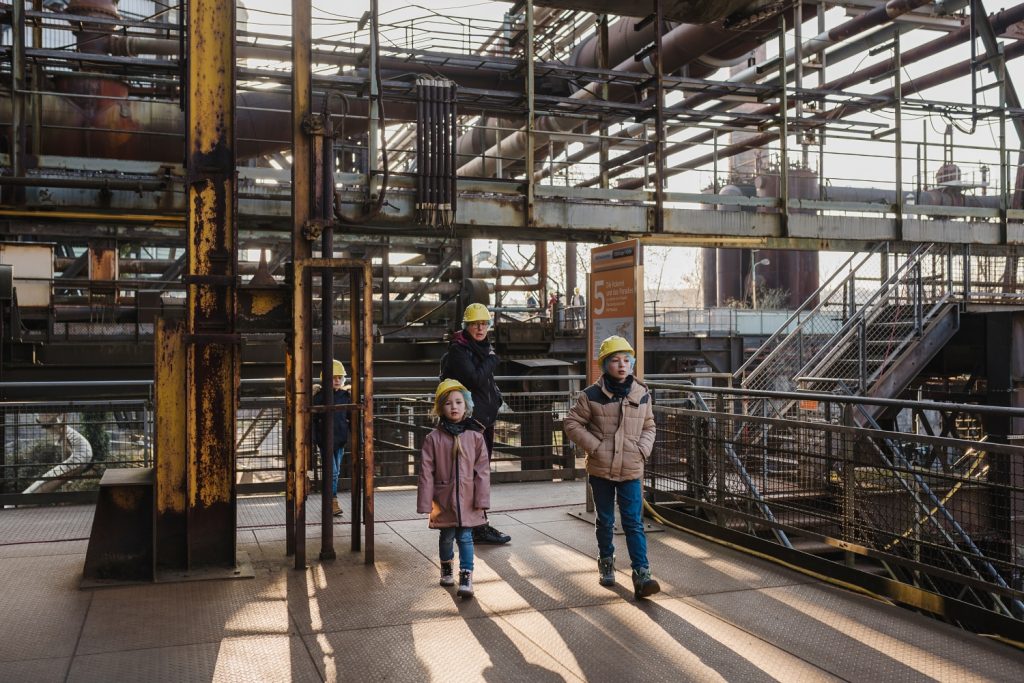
{"points": [[455, 479]]}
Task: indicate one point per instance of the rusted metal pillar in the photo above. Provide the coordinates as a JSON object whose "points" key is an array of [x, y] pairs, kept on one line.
{"points": [[212, 367], [300, 347], [323, 202], [170, 436]]}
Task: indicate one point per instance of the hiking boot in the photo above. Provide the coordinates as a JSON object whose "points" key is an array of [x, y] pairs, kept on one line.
{"points": [[488, 535], [606, 566], [335, 507], [465, 584], [644, 584], [447, 577]]}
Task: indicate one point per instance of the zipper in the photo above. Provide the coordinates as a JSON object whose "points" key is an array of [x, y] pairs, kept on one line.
{"points": [[456, 447]]}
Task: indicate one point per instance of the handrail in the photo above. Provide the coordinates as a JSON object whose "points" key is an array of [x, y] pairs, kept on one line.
{"points": [[739, 372], [741, 470]]}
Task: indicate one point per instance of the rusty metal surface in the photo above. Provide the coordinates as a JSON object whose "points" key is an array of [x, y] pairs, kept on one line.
{"points": [[170, 436], [299, 386], [212, 369]]}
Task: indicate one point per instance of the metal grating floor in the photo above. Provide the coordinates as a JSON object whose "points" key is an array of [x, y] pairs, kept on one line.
{"points": [[539, 615]]}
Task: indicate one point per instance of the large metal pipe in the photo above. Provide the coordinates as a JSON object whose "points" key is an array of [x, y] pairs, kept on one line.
{"points": [[680, 46], [813, 46], [1012, 51]]}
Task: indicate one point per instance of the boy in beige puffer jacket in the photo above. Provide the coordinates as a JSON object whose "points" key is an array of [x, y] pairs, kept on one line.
{"points": [[613, 421]]}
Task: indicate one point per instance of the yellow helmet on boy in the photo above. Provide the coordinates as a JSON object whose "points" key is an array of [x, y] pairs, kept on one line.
{"points": [[476, 313], [339, 369], [612, 345]]}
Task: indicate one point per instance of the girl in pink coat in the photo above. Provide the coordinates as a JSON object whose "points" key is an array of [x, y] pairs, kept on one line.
{"points": [[455, 482]]}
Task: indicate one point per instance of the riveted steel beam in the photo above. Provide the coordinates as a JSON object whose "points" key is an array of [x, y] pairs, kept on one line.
{"points": [[212, 372]]}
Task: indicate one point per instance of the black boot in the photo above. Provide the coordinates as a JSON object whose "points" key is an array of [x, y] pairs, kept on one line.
{"points": [[606, 567], [447, 577], [644, 585], [465, 584], [488, 535]]}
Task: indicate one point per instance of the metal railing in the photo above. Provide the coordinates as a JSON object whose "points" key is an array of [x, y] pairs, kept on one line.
{"points": [[939, 514]]}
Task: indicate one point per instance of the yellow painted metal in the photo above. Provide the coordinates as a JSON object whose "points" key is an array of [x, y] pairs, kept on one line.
{"points": [[169, 426], [211, 68], [212, 368]]}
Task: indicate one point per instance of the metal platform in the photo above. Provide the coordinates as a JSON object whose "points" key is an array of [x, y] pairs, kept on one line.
{"points": [[539, 613]]}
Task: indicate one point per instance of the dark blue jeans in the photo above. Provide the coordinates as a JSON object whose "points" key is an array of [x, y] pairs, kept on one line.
{"points": [[631, 505], [339, 464], [463, 535]]}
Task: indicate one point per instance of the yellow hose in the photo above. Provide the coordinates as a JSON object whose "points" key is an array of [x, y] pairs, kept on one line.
{"points": [[807, 572]]}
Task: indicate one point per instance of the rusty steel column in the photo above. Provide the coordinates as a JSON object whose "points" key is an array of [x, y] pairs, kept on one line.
{"points": [[300, 347], [212, 366], [170, 436]]}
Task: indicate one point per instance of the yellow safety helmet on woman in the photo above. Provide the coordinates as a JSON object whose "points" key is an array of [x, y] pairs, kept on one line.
{"points": [[612, 345], [448, 386], [476, 313]]}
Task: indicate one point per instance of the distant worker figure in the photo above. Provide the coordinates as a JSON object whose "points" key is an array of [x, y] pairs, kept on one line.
{"points": [[76, 446], [553, 306], [471, 360], [578, 304], [341, 429], [613, 421], [455, 481]]}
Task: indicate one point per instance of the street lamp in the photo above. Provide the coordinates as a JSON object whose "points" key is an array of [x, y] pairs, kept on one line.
{"points": [[753, 280]]}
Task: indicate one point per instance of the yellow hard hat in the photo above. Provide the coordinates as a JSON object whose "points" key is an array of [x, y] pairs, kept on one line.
{"points": [[446, 387], [339, 369], [475, 313], [614, 344]]}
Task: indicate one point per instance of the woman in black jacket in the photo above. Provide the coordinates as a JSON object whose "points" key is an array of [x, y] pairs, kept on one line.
{"points": [[471, 360]]}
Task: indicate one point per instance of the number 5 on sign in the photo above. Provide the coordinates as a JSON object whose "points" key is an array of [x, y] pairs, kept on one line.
{"points": [[598, 298]]}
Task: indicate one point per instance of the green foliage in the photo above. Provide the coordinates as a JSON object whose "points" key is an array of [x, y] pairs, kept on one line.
{"points": [[94, 429]]}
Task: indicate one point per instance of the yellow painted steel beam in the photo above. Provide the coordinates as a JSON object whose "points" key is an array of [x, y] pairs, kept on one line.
{"points": [[170, 436], [212, 372]]}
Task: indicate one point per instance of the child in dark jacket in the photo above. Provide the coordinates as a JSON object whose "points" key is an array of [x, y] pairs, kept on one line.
{"points": [[613, 422], [455, 482], [341, 428]]}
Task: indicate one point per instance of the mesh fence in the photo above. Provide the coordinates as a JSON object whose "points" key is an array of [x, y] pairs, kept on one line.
{"points": [[60, 446], [943, 513]]}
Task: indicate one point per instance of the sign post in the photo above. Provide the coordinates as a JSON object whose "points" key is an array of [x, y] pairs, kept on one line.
{"points": [[616, 295]]}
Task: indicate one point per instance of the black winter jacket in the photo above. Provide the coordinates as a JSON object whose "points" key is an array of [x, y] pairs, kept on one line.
{"points": [[473, 363], [341, 420]]}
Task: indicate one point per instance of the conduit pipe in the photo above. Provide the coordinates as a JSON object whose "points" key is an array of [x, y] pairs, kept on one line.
{"points": [[680, 46]]}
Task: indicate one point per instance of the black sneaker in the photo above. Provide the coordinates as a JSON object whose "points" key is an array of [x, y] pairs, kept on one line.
{"points": [[488, 535]]}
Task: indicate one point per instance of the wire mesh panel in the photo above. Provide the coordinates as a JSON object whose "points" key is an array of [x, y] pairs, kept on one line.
{"points": [[50, 447], [941, 513]]}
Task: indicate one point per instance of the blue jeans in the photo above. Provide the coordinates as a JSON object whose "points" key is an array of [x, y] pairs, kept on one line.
{"points": [[463, 535], [339, 463], [631, 505]]}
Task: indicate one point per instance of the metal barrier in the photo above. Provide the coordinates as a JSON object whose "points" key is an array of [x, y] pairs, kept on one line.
{"points": [[937, 515], [68, 459]]}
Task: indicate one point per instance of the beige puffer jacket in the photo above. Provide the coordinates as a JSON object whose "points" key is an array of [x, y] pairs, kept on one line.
{"points": [[617, 434], [455, 479]]}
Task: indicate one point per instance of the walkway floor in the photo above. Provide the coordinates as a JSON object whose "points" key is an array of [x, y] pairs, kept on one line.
{"points": [[539, 615]]}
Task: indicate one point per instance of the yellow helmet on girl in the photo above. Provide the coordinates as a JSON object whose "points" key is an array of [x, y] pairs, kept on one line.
{"points": [[476, 313], [612, 345], [448, 386]]}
